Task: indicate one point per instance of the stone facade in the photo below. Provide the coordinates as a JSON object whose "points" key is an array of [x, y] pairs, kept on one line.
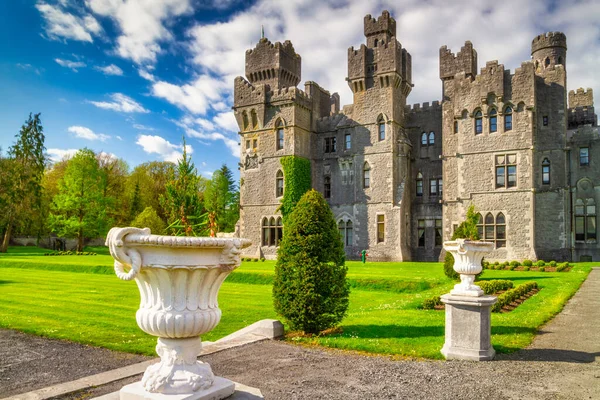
{"points": [[399, 178]]}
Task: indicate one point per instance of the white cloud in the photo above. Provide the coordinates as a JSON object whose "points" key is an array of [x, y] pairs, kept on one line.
{"points": [[146, 75], [227, 121], [121, 103], [119, 137], [205, 124], [204, 130], [59, 154], [60, 24], [29, 67], [167, 151], [111, 69], [143, 127], [86, 133], [141, 24], [195, 97], [74, 65]]}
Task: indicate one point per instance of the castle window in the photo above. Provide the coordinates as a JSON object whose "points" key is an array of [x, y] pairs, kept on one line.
{"points": [[254, 143], [584, 156], [347, 141], [421, 233], [455, 126], [440, 187], [279, 135], [500, 231], [367, 176], [438, 232], [279, 231], [266, 236], [279, 184], [254, 119], [327, 187], [245, 120], [433, 191], [247, 143], [424, 139], [479, 226], [585, 220], [560, 60], [272, 232], [545, 120], [376, 42], [493, 121], [492, 230], [547, 62], [546, 172], [330, 145], [381, 131], [419, 184], [506, 171], [380, 228], [345, 229], [431, 138], [508, 118], [478, 122]]}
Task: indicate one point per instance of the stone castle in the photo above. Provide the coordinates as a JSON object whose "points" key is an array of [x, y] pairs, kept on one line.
{"points": [[400, 178]]}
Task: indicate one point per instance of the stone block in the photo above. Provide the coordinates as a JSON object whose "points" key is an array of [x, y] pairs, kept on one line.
{"points": [[468, 328], [221, 389]]}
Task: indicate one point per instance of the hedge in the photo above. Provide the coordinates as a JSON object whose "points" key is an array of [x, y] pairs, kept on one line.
{"points": [[513, 294]]}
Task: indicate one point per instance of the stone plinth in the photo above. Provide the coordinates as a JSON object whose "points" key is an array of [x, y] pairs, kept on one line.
{"points": [[468, 328], [220, 389]]}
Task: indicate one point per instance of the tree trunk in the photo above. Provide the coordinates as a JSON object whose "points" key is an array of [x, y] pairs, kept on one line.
{"points": [[80, 241], [4, 247]]}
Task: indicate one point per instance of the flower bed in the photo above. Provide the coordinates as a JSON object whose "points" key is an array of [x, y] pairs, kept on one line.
{"points": [[528, 265]]}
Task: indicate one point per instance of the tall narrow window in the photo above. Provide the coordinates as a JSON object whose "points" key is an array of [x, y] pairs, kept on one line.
{"points": [[438, 232], [478, 122], [380, 228], [508, 123], [440, 187], [489, 231], [419, 184], [381, 129], [254, 144], [500, 231], [327, 187], [545, 120], [342, 229], [347, 141], [584, 156], [421, 233], [279, 230], [245, 120], [433, 189], [273, 233], [546, 171], [279, 135], [279, 184], [254, 119], [348, 233], [431, 138], [424, 139], [585, 220], [480, 226], [266, 236], [247, 143], [493, 120], [506, 171], [367, 176], [455, 126]]}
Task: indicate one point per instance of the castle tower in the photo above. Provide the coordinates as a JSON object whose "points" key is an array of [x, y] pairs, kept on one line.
{"points": [[276, 65], [549, 49]]}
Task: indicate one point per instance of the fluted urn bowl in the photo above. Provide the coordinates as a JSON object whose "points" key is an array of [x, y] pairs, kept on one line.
{"points": [[467, 262], [179, 280]]}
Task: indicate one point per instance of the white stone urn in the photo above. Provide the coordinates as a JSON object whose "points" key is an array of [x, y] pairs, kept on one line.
{"points": [[179, 279], [467, 262]]}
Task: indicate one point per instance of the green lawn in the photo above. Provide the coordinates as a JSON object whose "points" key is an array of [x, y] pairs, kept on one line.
{"points": [[79, 298]]}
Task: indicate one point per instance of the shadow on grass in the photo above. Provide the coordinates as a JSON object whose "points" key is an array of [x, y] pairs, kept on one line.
{"points": [[390, 331], [556, 355], [520, 278], [6, 282]]}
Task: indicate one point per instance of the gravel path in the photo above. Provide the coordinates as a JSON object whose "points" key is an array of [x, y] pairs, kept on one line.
{"points": [[563, 362]]}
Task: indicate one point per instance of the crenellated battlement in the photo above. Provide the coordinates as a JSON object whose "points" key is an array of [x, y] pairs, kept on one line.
{"points": [[423, 107], [581, 98], [276, 64], [245, 93], [548, 39], [384, 24], [464, 61]]}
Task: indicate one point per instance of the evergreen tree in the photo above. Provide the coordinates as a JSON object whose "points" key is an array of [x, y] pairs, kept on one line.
{"points": [[221, 200], [79, 208], [310, 289], [23, 188], [135, 204]]}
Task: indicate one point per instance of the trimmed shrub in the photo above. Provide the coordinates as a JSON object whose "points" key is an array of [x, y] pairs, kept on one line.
{"points": [[262, 259], [485, 264], [527, 263], [514, 264], [541, 269], [255, 259], [540, 263], [561, 267], [496, 285], [526, 268], [505, 264], [310, 289], [552, 263], [429, 304], [514, 294]]}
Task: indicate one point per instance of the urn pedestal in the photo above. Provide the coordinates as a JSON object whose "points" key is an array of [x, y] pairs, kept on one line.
{"points": [[468, 311], [179, 280]]}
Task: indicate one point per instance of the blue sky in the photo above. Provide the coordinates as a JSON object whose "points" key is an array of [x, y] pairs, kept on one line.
{"points": [[132, 77]]}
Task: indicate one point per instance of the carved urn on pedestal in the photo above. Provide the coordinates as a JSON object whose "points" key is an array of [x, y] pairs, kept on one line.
{"points": [[467, 263], [179, 279]]}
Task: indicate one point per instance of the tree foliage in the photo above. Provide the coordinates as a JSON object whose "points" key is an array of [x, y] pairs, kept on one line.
{"points": [[297, 181], [221, 200], [310, 289], [466, 230], [79, 209], [150, 219]]}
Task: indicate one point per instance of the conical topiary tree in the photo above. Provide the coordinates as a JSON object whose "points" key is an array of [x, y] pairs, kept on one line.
{"points": [[310, 290]]}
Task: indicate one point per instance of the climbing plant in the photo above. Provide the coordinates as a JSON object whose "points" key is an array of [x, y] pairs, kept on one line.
{"points": [[297, 181]]}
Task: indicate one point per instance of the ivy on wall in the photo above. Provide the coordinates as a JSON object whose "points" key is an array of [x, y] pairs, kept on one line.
{"points": [[297, 181]]}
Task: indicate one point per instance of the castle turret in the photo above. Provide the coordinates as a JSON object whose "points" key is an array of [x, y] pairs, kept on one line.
{"points": [[277, 65], [581, 108], [549, 49], [464, 61]]}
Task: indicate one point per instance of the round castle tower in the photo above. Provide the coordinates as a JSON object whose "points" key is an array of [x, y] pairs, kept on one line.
{"points": [[549, 49]]}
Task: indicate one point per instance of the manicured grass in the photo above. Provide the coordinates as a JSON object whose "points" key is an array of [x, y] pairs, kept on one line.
{"points": [[79, 298]]}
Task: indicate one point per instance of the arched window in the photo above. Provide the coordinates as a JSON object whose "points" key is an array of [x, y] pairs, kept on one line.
{"points": [[431, 138], [327, 187], [266, 236], [279, 139], [492, 230], [342, 229], [455, 126], [348, 233], [273, 232], [279, 184], [500, 231], [493, 120], [547, 62], [478, 122], [381, 129], [489, 228], [254, 119], [424, 139], [585, 220], [279, 230], [480, 226], [376, 42], [508, 115], [419, 184], [245, 120], [546, 172], [366, 175]]}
